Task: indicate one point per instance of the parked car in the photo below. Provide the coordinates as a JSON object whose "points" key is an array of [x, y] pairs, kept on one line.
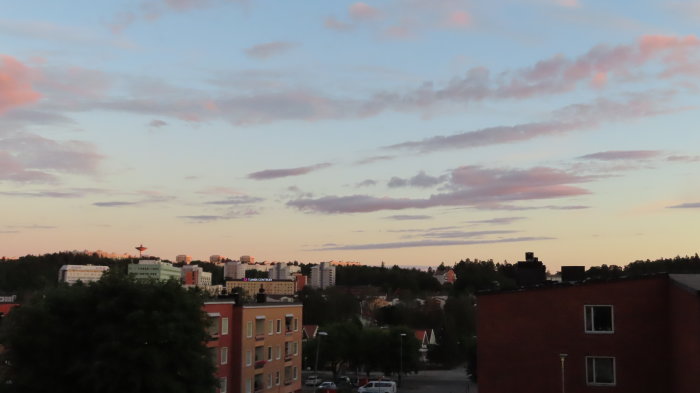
{"points": [[312, 380], [328, 385], [378, 387]]}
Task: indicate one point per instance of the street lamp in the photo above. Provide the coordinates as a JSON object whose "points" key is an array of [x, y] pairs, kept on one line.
{"points": [[562, 358], [401, 356], [318, 346]]}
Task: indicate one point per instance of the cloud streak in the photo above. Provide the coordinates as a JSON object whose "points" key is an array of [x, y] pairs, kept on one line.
{"points": [[279, 173], [429, 243], [692, 205], [614, 155], [473, 186], [270, 49]]}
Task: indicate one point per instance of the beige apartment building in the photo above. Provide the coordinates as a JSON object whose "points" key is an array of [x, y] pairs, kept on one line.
{"points": [[272, 287]]}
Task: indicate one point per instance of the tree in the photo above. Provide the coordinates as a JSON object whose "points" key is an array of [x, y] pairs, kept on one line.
{"points": [[115, 335]]}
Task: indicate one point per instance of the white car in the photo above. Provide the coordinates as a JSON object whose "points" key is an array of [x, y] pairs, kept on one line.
{"points": [[378, 387], [326, 385], [312, 380]]}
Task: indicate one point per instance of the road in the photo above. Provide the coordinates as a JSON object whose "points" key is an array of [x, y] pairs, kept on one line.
{"points": [[442, 381]]}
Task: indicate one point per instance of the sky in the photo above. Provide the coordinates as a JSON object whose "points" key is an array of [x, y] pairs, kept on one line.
{"points": [[409, 132]]}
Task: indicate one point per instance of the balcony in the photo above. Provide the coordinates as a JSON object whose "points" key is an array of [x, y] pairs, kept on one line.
{"points": [[259, 337], [260, 364]]}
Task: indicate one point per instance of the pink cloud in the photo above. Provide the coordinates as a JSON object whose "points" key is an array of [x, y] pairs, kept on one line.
{"points": [[458, 19], [362, 11], [15, 84]]}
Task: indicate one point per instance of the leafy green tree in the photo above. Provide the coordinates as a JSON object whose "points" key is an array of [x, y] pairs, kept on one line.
{"points": [[113, 336]]}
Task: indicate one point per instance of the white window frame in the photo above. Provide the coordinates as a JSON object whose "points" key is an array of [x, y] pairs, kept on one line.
{"points": [[224, 355], [296, 324], [248, 359], [224, 326], [279, 352], [277, 378], [269, 353], [222, 385], [295, 348], [269, 380], [248, 385], [249, 329], [585, 319], [295, 373], [589, 371], [279, 326], [271, 327]]}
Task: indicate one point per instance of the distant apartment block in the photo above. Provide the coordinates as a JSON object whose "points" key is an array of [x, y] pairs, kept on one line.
{"points": [[235, 270], [272, 287], [195, 275], [247, 259], [256, 347], [154, 269], [636, 335], [182, 258], [282, 271], [322, 275], [218, 259], [345, 263], [85, 273]]}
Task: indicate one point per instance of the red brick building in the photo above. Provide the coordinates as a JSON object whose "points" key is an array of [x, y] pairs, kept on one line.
{"points": [[256, 347], [630, 335]]}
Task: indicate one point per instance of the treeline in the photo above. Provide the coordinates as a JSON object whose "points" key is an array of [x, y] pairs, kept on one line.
{"points": [[677, 264], [388, 279], [31, 273]]}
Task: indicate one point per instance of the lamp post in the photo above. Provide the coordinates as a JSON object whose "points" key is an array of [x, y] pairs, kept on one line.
{"points": [[318, 346], [562, 358], [401, 356]]}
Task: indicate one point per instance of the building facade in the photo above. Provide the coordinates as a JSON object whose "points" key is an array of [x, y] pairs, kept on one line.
{"points": [[631, 335], [195, 275], [322, 275], [85, 273], [283, 271], [256, 347], [153, 269], [235, 270], [272, 287]]}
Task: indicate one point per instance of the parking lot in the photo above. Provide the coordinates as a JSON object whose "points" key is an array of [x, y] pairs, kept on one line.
{"points": [[442, 381]]}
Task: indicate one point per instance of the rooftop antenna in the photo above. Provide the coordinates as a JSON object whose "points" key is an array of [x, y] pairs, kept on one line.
{"points": [[141, 249]]}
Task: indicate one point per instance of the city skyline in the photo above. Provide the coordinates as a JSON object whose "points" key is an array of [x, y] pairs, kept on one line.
{"points": [[407, 132]]}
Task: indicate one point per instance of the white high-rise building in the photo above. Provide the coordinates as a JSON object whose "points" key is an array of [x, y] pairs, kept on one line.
{"points": [[282, 271], [85, 273], [217, 259], [235, 270], [322, 275]]}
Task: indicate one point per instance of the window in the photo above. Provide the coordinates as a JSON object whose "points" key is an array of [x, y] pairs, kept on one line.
{"points": [[248, 385], [222, 385], [599, 319], [224, 355], [271, 327], [269, 380], [214, 352], [296, 324], [277, 378], [295, 348], [269, 353], [295, 373], [224, 326], [279, 326], [279, 351], [249, 329], [600, 370], [248, 359]]}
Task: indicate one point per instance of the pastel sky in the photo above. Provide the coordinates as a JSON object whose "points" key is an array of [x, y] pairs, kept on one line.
{"points": [[406, 131]]}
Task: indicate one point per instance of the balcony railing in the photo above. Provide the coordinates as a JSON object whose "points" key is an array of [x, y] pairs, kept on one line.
{"points": [[260, 363], [260, 337]]}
